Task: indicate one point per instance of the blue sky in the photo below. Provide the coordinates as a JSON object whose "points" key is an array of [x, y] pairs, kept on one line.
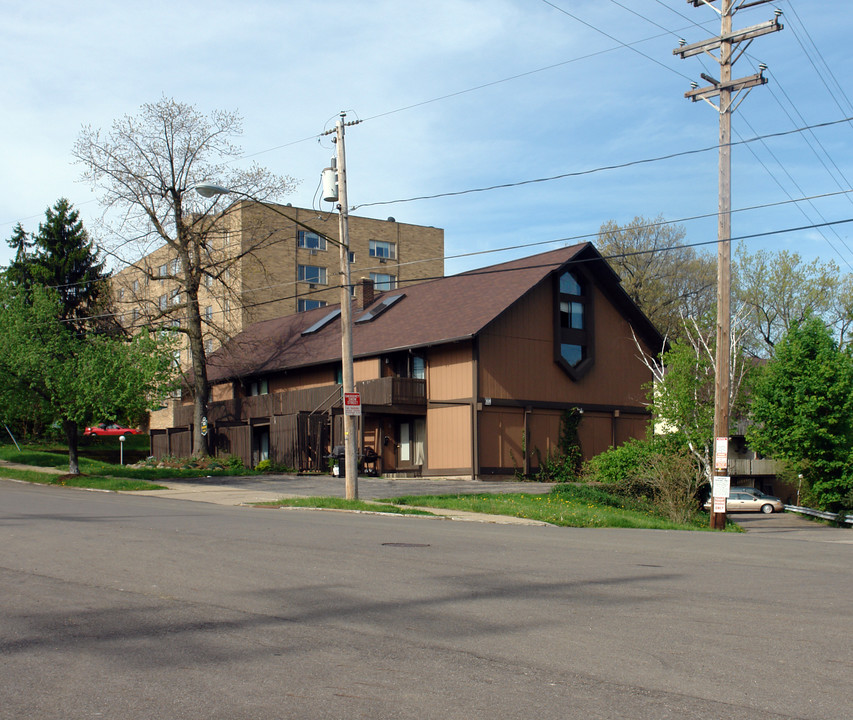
{"points": [[454, 95]]}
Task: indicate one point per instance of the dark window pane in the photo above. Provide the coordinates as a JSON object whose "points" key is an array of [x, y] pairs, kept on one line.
{"points": [[572, 354], [569, 285]]}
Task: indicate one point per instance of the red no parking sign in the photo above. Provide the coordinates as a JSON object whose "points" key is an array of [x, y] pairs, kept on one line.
{"points": [[352, 404]]}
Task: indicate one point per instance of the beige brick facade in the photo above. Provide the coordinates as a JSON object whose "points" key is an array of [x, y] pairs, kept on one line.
{"points": [[260, 271]]}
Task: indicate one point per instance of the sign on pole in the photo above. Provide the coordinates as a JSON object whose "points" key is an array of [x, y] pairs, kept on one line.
{"points": [[721, 454], [722, 486], [352, 404], [720, 505]]}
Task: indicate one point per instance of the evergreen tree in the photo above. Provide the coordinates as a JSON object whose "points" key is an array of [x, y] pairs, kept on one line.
{"points": [[21, 242], [66, 260]]}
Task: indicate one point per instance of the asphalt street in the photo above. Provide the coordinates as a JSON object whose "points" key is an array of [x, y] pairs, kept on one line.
{"points": [[125, 606]]}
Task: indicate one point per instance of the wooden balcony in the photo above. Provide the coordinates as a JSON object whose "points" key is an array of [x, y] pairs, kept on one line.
{"points": [[393, 391], [383, 392]]}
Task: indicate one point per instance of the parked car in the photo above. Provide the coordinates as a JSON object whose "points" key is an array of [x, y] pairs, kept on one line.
{"points": [[750, 502], [110, 429]]}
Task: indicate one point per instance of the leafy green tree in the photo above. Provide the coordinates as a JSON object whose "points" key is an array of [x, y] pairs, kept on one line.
{"points": [[802, 410], [667, 280], [74, 378]]}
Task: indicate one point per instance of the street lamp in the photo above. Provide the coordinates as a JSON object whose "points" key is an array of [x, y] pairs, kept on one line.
{"points": [[209, 190]]}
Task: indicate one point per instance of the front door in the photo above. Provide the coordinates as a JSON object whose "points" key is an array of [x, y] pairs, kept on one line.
{"points": [[260, 444], [410, 444]]}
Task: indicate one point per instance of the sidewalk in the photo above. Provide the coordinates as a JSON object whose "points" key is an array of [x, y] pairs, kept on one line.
{"points": [[236, 496]]}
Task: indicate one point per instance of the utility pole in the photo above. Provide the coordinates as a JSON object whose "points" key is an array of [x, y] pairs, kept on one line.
{"points": [[731, 45], [350, 457]]}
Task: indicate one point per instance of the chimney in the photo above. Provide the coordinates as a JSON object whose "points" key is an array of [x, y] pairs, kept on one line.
{"points": [[364, 293]]}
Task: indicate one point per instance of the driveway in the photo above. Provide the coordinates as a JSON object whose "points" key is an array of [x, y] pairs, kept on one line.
{"points": [[791, 526]]}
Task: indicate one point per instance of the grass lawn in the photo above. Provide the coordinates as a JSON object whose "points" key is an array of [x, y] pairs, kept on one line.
{"points": [[566, 506], [341, 504], [96, 472]]}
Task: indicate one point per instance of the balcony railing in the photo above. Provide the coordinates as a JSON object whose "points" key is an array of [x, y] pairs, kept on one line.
{"points": [[382, 392], [391, 391]]}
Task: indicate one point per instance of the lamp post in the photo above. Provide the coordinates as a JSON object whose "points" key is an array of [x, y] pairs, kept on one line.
{"points": [[209, 190]]}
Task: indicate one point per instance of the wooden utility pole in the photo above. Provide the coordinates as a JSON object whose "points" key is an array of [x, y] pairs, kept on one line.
{"points": [[730, 93], [350, 449]]}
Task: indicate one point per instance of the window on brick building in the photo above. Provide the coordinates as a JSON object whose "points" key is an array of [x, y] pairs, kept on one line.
{"points": [[383, 281], [383, 250], [311, 274]]}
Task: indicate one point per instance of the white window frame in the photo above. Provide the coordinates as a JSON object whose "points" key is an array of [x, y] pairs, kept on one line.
{"points": [[304, 276], [383, 249]]}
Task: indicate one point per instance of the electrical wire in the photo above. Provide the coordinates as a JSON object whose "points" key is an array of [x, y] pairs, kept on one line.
{"points": [[486, 271], [590, 171], [539, 243]]}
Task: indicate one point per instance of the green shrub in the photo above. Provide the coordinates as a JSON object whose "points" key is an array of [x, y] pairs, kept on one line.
{"points": [[623, 464], [234, 463]]}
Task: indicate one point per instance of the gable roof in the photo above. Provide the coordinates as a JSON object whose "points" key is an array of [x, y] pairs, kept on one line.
{"points": [[444, 310]]}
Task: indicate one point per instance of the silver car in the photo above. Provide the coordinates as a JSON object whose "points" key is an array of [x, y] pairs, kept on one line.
{"points": [[750, 502]]}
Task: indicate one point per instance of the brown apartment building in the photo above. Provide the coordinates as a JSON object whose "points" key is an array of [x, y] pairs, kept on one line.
{"points": [[270, 261], [464, 375]]}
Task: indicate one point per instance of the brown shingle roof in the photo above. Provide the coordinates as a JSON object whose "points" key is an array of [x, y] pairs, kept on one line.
{"points": [[433, 312]]}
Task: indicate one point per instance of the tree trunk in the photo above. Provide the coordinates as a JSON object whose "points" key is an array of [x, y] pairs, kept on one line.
{"points": [[201, 387], [70, 427]]}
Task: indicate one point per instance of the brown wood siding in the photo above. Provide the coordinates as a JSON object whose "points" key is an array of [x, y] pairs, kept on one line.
{"points": [[531, 374], [284, 440], [449, 438], [450, 372], [369, 369], [173, 442], [307, 378], [224, 391], [501, 432], [543, 429], [595, 432]]}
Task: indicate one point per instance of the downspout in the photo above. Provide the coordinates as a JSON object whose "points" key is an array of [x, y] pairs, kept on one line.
{"points": [[475, 415]]}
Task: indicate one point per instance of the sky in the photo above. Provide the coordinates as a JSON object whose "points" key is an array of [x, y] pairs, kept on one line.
{"points": [[455, 96]]}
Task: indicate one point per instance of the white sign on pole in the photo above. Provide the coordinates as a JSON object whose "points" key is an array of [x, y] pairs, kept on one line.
{"points": [[722, 486], [719, 505], [721, 454], [352, 404]]}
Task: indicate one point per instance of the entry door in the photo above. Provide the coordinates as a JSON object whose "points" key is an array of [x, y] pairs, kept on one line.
{"points": [[261, 444], [410, 451]]}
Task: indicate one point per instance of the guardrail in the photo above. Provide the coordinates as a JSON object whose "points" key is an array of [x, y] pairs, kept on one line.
{"points": [[820, 514]]}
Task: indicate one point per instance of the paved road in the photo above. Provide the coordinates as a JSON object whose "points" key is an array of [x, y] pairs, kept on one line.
{"points": [[136, 607]]}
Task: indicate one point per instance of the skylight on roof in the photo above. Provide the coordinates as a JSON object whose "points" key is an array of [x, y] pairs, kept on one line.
{"points": [[376, 311], [322, 322]]}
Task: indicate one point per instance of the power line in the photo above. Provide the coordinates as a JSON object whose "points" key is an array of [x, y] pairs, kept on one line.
{"points": [[647, 226], [591, 171], [570, 239]]}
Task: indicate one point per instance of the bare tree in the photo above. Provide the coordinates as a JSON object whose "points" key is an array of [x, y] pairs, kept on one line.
{"points": [[682, 392], [778, 289], [146, 168], [664, 277]]}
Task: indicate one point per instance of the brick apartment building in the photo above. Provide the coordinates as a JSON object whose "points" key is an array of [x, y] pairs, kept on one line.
{"points": [[267, 263]]}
